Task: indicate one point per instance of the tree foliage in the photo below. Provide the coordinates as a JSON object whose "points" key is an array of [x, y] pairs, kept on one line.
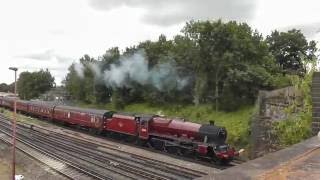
{"points": [[231, 54], [32, 84], [226, 63], [7, 87], [292, 50]]}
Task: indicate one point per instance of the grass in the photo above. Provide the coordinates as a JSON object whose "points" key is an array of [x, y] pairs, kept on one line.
{"points": [[22, 118], [237, 123], [293, 130]]}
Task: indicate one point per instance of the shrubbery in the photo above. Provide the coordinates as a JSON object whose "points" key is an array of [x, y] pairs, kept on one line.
{"points": [[298, 125]]}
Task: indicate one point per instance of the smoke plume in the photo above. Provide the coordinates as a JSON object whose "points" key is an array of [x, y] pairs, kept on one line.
{"points": [[96, 70], [135, 69], [79, 68]]}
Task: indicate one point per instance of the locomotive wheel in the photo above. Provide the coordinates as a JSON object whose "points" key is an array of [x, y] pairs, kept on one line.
{"points": [[186, 152], [220, 162], [99, 131], [92, 130], [130, 139], [173, 150], [141, 142], [107, 134], [158, 145]]}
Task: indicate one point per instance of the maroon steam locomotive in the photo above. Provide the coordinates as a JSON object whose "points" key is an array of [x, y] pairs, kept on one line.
{"points": [[172, 135]]}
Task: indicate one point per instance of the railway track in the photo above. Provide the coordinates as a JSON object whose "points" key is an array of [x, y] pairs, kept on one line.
{"points": [[58, 165], [131, 156], [235, 162], [88, 159]]}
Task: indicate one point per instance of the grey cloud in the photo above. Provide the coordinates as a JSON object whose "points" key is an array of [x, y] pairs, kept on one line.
{"points": [[169, 12], [46, 56], [38, 56], [36, 68], [57, 64], [309, 30]]}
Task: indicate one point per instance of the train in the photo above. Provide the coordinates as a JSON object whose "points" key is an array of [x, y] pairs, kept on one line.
{"points": [[173, 135]]}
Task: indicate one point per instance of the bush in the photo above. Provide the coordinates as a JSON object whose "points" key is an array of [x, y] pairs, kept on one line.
{"points": [[297, 127], [293, 130], [117, 101], [281, 81]]}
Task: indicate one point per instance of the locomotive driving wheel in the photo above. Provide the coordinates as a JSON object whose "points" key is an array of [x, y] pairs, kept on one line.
{"points": [[173, 150]]}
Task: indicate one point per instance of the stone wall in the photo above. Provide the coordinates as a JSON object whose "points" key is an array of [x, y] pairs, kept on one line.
{"points": [[278, 101], [271, 106]]}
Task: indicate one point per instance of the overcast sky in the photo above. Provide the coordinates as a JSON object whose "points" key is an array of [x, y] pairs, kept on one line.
{"points": [[52, 34]]}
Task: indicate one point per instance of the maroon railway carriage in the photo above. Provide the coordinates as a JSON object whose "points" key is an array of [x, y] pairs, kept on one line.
{"points": [[8, 102], [23, 106], [89, 118], [41, 109]]}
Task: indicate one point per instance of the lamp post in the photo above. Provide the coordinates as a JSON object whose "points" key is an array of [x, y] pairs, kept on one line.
{"points": [[14, 124]]}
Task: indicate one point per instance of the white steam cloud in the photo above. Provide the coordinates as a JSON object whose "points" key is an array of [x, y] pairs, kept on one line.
{"points": [[96, 70], [135, 69], [79, 68]]}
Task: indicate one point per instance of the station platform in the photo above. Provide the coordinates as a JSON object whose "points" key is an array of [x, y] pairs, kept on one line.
{"points": [[300, 161]]}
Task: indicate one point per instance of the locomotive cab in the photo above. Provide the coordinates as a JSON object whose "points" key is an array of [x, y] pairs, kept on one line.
{"points": [[144, 126]]}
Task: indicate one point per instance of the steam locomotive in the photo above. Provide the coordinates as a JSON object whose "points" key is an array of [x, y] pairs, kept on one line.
{"points": [[166, 134]]}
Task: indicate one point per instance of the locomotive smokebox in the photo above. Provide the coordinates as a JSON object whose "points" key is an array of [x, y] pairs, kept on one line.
{"points": [[214, 134]]}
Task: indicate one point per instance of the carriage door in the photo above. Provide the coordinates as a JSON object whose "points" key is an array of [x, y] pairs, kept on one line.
{"points": [[143, 132], [93, 120]]}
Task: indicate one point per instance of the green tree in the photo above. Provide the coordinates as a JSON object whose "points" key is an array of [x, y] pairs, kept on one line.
{"points": [[32, 84], [84, 81], [7, 87], [80, 81], [158, 51], [73, 84], [224, 48], [292, 50]]}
